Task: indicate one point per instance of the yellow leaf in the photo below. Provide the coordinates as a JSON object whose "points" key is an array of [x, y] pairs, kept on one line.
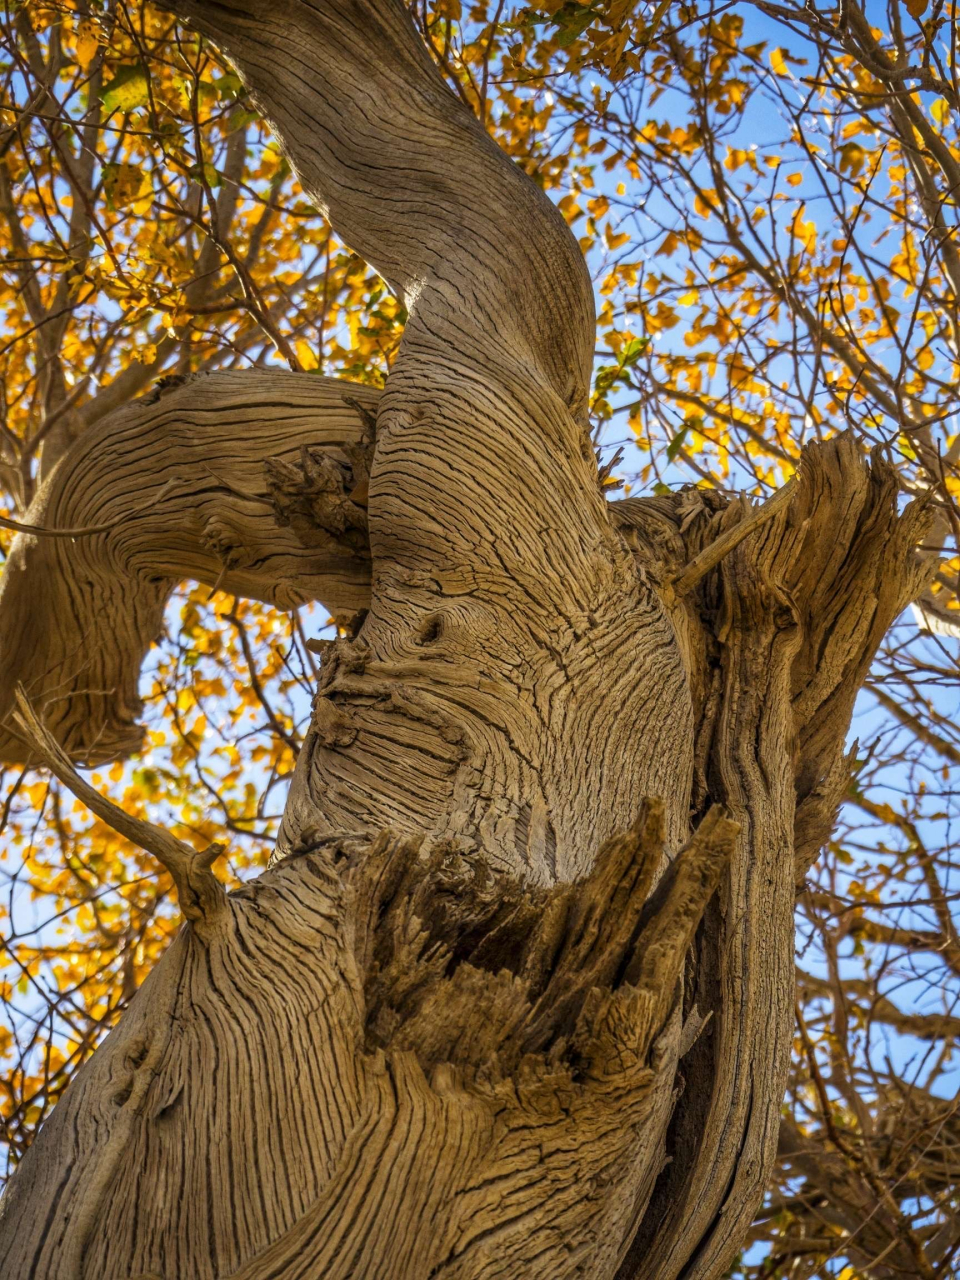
{"points": [[778, 62], [794, 179], [916, 8], [805, 232], [87, 42], [128, 89], [124, 184], [306, 355], [569, 208], [852, 158]]}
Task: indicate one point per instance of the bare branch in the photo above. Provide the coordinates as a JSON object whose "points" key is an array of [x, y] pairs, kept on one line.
{"points": [[140, 486], [202, 897]]}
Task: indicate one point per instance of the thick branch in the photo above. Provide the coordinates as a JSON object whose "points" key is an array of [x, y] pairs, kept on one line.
{"points": [[177, 484], [501, 593], [410, 179], [793, 616]]}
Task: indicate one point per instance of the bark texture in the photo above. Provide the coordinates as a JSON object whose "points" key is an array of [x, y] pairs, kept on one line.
{"points": [[371, 1123], [442, 1036], [510, 646], [176, 485]]}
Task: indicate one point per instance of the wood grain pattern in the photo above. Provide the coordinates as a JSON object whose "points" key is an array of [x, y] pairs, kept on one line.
{"points": [[327, 1037], [179, 479], [472, 1046]]}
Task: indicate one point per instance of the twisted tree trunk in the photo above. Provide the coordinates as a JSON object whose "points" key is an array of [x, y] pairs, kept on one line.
{"points": [[494, 1010]]}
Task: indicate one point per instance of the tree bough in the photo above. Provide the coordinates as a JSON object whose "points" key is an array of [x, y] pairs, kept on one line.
{"points": [[442, 1036], [176, 480]]}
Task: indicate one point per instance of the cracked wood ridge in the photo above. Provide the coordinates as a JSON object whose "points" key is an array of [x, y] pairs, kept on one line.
{"points": [[515, 997]]}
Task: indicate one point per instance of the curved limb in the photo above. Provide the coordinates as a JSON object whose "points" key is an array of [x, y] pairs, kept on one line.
{"points": [[177, 483], [509, 639]]}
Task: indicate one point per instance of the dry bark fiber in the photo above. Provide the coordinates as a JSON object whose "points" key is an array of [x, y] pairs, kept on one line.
{"points": [[443, 1035]]}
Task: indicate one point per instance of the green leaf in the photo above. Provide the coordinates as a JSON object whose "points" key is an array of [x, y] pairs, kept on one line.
{"points": [[229, 85], [572, 20], [128, 89], [676, 444], [205, 172], [633, 350]]}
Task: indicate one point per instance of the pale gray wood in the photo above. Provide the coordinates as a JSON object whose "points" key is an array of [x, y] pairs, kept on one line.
{"points": [[179, 481]]}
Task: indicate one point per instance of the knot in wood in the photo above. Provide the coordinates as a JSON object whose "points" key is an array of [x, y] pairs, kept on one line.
{"points": [[320, 498], [340, 658], [331, 724]]}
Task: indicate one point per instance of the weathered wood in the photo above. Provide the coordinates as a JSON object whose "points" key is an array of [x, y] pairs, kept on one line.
{"points": [[793, 617], [433, 1053], [321, 1045], [178, 480]]}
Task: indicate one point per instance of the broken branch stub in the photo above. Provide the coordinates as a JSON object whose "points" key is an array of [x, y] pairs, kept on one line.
{"points": [[446, 923]]}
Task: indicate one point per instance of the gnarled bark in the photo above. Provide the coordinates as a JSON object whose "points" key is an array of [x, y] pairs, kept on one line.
{"points": [[341, 993], [368, 1069], [176, 481]]}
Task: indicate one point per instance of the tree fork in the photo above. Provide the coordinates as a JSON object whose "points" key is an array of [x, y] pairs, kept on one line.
{"points": [[526, 672], [255, 482]]}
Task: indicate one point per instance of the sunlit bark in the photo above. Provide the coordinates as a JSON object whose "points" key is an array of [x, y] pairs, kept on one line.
{"points": [[479, 1019]]}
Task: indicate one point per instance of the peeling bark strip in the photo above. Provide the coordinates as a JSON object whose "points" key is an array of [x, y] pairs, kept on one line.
{"points": [[431, 1054], [396, 1067]]}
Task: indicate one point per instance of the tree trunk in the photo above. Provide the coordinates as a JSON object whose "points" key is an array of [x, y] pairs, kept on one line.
{"points": [[493, 1010]]}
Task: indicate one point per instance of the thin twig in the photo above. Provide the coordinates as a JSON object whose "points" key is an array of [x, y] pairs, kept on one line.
{"points": [[40, 531], [202, 896]]}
